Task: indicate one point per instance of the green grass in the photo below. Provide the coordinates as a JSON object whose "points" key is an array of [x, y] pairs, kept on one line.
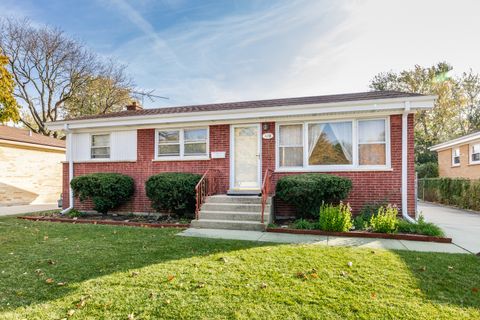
{"points": [[112, 272]]}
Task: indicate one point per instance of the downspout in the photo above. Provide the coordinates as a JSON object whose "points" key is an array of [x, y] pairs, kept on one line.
{"points": [[70, 169], [405, 164]]}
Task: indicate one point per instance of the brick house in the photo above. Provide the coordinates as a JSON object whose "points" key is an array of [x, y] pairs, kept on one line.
{"points": [[367, 137], [459, 158], [30, 167]]}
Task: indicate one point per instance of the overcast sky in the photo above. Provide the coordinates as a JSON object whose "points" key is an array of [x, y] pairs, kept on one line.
{"points": [[201, 51]]}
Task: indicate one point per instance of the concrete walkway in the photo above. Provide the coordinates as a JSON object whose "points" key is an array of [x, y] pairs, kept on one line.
{"points": [[324, 240], [462, 226], [14, 210]]}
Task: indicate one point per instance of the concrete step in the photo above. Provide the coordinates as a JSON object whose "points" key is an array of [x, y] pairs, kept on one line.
{"points": [[223, 198], [234, 215], [224, 224], [242, 207]]}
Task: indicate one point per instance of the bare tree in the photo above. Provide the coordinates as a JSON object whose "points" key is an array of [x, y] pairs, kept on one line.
{"points": [[50, 69]]}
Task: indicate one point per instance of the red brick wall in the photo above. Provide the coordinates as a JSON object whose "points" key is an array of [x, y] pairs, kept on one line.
{"points": [[141, 170], [368, 186]]}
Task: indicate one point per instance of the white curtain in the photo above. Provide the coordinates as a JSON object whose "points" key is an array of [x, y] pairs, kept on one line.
{"points": [[343, 133], [291, 135], [314, 133]]}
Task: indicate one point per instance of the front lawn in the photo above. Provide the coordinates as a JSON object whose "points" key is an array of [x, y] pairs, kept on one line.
{"points": [[55, 271]]}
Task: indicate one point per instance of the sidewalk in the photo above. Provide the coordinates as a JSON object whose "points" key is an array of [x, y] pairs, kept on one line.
{"points": [[14, 210], [324, 240]]}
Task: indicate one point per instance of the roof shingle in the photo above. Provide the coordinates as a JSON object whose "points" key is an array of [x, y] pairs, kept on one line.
{"points": [[371, 95], [24, 135]]}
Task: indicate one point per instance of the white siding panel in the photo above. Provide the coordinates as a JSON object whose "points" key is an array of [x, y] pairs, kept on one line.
{"points": [[81, 146], [123, 146]]}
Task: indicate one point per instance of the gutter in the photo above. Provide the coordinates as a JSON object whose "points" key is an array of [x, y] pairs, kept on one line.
{"points": [[70, 169], [405, 164]]}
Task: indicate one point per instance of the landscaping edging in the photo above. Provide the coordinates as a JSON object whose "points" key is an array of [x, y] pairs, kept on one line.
{"points": [[107, 222], [395, 236]]}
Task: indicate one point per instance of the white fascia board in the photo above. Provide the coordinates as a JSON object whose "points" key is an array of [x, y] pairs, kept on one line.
{"points": [[459, 141], [416, 103], [32, 145]]}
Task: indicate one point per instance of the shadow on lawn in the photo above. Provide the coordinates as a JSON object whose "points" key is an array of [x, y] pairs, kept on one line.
{"points": [[33, 252], [446, 278]]}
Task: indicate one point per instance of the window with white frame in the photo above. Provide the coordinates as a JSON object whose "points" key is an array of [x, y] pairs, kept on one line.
{"points": [[343, 144], [100, 146], [456, 156], [475, 153], [182, 143], [372, 142], [290, 145], [330, 143]]}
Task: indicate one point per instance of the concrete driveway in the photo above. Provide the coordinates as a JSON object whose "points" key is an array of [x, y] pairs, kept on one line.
{"points": [[462, 226], [14, 210]]}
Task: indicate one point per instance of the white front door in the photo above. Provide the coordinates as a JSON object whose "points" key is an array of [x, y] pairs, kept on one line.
{"points": [[245, 149]]}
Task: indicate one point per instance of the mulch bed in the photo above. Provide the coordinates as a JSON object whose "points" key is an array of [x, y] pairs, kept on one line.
{"points": [[107, 221], [359, 234]]}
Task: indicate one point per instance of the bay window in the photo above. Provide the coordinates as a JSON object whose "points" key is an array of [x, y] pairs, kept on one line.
{"points": [[334, 145], [182, 143]]}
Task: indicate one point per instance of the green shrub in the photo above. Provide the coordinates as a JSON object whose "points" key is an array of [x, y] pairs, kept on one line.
{"points": [[369, 209], [460, 192], [335, 218], [74, 213], [173, 192], [106, 190], [427, 170], [307, 192], [303, 224], [385, 221], [421, 227]]}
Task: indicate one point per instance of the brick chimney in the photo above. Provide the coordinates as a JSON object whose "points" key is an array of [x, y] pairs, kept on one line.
{"points": [[134, 106]]}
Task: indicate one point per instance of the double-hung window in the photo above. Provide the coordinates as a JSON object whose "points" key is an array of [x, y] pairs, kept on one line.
{"points": [[372, 142], [290, 145], [100, 146], [182, 143], [475, 153], [455, 156], [334, 145]]}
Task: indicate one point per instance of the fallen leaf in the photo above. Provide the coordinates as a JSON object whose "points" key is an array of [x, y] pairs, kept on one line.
{"points": [[301, 275], [223, 259], [423, 268], [350, 264], [374, 295], [134, 274], [70, 312], [200, 285], [131, 316], [81, 304], [61, 284], [450, 268], [474, 290], [343, 274], [152, 295], [170, 277], [167, 301], [263, 285], [45, 238], [50, 261], [314, 275], [49, 280]]}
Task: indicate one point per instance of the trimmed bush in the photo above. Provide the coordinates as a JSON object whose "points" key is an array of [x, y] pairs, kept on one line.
{"points": [[460, 192], [427, 170], [106, 190], [308, 191], [335, 218], [303, 224], [173, 192], [421, 227], [385, 221]]}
